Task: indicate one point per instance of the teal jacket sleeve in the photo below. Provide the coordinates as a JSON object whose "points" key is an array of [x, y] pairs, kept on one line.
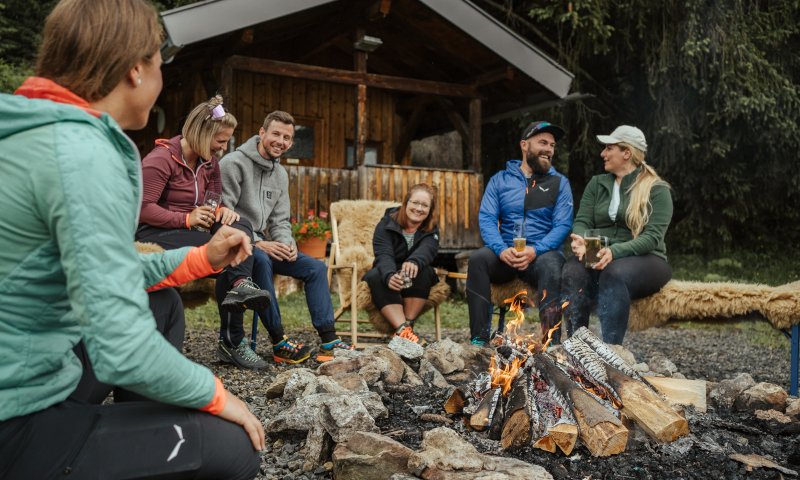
{"points": [[94, 222], [157, 266]]}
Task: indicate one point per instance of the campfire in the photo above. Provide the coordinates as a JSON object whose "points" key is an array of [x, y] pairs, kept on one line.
{"points": [[530, 397]]}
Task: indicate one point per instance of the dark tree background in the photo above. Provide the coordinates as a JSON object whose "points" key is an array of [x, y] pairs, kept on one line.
{"points": [[713, 84]]}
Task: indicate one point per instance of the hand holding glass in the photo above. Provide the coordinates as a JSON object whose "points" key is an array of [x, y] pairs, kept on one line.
{"points": [[594, 243], [211, 199]]}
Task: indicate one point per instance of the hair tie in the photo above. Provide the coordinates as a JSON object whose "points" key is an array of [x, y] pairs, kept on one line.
{"points": [[217, 112]]}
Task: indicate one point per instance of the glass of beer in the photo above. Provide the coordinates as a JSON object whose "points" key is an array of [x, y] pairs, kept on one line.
{"points": [[594, 242], [519, 236]]}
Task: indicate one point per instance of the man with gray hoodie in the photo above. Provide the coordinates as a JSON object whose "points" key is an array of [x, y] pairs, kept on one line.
{"points": [[256, 186]]}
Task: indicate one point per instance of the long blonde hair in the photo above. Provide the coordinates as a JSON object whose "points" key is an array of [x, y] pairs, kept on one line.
{"points": [[639, 208]]}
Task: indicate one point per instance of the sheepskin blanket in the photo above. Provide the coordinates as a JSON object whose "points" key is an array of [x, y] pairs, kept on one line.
{"points": [[682, 300], [355, 225]]}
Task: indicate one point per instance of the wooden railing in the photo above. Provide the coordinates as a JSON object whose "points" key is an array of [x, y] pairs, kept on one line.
{"points": [[460, 193]]}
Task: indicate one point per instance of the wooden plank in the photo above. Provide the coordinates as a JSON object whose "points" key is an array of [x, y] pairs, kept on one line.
{"points": [[338, 126], [475, 134], [313, 72], [286, 98], [299, 97], [361, 124], [246, 101]]}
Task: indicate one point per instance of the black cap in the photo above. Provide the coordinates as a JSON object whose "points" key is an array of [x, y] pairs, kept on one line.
{"points": [[542, 126]]}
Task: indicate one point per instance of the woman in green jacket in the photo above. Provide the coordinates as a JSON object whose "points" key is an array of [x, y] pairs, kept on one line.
{"points": [[631, 207], [69, 273]]}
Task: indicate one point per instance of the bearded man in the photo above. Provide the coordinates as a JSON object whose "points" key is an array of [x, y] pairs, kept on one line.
{"points": [[528, 200]]}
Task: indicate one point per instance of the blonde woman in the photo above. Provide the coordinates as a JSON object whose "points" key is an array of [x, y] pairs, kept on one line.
{"points": [[176, 177], [631, 206], [70, 275]]}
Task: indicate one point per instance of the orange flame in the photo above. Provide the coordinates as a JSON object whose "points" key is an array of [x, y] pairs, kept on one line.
{"points": [[504, 377], [516, 308]]}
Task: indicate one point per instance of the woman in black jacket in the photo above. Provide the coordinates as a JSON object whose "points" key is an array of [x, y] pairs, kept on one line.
{"points": [[405, 243]]}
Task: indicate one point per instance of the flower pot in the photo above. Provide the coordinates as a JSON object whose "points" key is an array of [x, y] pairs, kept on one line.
{"points": [[313, 246]]}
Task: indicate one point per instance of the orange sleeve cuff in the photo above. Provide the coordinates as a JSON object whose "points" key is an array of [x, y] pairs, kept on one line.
{"points": [[195, 265], [218, 401], [188, 227]]}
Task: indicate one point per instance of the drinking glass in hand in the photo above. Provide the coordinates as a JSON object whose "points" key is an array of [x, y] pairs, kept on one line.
{"points": [[594, 243], [519, 236], [211, 199]]}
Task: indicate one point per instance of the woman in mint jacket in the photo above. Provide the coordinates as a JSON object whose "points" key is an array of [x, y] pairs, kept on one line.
{"points": [[69, 272], [632, 206]]}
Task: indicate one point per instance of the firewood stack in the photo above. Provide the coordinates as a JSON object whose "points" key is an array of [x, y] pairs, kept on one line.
{"points": [[529, 398]]}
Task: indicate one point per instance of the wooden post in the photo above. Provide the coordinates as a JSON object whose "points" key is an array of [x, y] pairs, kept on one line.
{"points": [[361, 105], [475, 134]]}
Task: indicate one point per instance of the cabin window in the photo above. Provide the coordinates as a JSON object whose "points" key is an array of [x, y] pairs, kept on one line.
{"points": [[307, 135], [371, 154]]}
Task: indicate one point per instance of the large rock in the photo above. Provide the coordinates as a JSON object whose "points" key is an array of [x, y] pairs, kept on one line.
{"points": [[406, 348], [724, 393], [395, 370], [446, 355], [659, 363], [762, 396], [625, 354], [793, 408], [276, 388], [343, 415], [444, 455], [430, 375], [368, 456], [352, 382]]}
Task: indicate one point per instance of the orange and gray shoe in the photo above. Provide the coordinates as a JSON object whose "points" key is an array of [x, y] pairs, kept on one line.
{"points": [[290, 351], [327, 351], [407, 332]]}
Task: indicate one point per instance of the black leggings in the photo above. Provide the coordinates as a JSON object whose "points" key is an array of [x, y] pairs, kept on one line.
{"points": [[612, 289], [134, 439], [382, 295]]}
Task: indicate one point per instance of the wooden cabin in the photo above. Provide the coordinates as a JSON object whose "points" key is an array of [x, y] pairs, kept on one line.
{"points": [[364, 79]]}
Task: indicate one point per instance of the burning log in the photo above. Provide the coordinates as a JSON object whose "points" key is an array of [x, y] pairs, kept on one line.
{"points": [[455, 404], [556, 425], [601, 431], [517, 425], [639, 399], [485, 413]]}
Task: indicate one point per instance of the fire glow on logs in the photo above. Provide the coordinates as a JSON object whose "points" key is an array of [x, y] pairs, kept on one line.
{"points": [[529, 398]]}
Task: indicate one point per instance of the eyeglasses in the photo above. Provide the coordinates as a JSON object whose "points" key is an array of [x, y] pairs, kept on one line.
{"points": [[421, 205]]}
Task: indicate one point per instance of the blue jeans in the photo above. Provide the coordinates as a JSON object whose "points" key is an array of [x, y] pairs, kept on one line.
{"points": [[612, 289], [315, 276]]}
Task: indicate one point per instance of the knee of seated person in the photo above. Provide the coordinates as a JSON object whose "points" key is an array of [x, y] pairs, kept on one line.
{"points": [[244, 226]]}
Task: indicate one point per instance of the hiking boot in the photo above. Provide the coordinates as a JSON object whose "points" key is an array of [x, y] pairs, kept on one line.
{"points": [[407, 331], [290, 351], [242, 356], [246, 294], [327, 350]]}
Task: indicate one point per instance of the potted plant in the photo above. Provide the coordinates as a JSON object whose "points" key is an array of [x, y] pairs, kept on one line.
{"points": [[312, 233]]}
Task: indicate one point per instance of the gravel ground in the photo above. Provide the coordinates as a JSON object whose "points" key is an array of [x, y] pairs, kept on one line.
{"points": [[705, 354]]}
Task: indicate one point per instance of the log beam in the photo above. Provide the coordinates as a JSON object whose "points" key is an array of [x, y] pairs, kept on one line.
{"points": [[335, 75]]}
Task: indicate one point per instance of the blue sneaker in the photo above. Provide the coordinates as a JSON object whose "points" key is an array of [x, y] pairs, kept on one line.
{"points": [[479, 341], [290, 351], [327, 350]]}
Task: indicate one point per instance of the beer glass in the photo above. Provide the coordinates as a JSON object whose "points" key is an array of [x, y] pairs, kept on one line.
{"points": [[594, 242], [211, 199], [519, 236]]}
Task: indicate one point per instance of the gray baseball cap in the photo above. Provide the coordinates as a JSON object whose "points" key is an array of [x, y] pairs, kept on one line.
{"points": [[625, 134]]}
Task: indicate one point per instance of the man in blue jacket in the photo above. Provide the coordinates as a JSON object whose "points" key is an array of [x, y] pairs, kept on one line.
{"points": [[531, 200]]}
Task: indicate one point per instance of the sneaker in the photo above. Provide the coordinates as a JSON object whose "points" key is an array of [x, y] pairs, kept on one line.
{"points": [[242, 356], [407, 331], [247, 295], [478, 341], [290, 351], [327, 350]]}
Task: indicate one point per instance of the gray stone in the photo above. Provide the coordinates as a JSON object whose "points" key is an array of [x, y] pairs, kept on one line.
{"points": [[318, 447], [763, 396], [343, 415], [624, 353], [431, 375], [339, 366], [277, 386], [300, 383], [374, 369], [446, 355], [406, 348], [393, 374], [444, 455], [661, 364], [403, 476], [724, 393], [793, 408], [641, 367], [367, 456], [410, 377], [329, 385], [373, 403], [352, 382]]}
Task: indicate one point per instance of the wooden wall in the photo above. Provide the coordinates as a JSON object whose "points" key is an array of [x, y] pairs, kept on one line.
{"points": [[460, 193], [329, 107]]}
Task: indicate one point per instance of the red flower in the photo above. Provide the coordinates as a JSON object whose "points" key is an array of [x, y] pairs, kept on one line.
{"points": [[323, 215]]}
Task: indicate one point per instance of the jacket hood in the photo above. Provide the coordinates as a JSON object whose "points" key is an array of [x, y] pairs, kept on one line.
{"points": [[40, 102], [250, 149]]}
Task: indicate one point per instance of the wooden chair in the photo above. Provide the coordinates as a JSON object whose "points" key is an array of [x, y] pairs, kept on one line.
{"points": [[353, 223]]}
